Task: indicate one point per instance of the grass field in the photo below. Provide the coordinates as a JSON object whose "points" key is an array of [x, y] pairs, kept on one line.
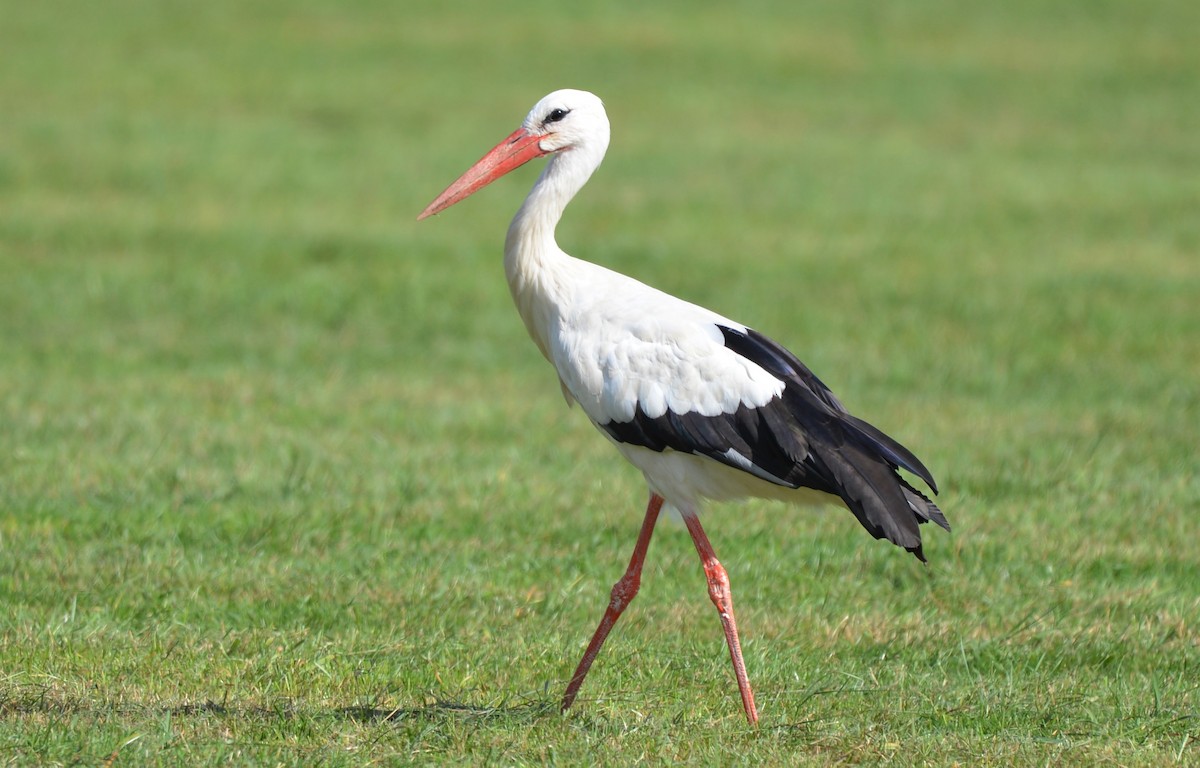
{"points": [[283, 482]]}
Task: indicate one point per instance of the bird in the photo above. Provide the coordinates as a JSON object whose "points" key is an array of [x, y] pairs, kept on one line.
{"points": [[706, 407]]}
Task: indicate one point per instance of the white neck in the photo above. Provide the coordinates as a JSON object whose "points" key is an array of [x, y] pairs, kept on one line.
{"points": [[533, 262]]}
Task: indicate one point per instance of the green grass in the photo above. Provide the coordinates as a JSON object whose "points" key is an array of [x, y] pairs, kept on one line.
{"points": [[283, 482]]}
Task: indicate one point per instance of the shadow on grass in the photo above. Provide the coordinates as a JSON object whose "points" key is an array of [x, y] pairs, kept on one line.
{"points": [[48, 699], [441, 708]]}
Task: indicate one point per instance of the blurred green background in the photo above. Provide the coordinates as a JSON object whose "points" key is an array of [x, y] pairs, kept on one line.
{"points": [[282, 480]]}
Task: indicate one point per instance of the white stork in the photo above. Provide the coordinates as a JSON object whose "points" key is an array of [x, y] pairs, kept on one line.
{"points": [[705, 407]]}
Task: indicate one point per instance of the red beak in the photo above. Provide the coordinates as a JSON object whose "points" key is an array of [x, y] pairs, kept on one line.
{"points": [[510, 154]]}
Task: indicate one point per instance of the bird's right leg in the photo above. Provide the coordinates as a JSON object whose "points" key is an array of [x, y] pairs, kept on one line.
{"points": [[623, 593], [722, 597]]}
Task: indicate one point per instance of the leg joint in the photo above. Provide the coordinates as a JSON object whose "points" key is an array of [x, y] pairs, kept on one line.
{"points": [[718, 584], [624, 591]]}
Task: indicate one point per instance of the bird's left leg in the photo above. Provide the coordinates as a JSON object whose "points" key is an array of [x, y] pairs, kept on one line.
{"points": [[623, 593], [722, 597]]}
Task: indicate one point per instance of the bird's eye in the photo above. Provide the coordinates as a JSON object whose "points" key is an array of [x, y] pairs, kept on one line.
{"points": [[556, 115]]}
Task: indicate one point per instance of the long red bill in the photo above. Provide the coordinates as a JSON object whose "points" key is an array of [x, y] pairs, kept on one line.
{"points": [[519, 148]]}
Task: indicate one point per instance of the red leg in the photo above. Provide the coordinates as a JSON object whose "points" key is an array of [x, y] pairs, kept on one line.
{"points": [[722, 597], [623, 593]]}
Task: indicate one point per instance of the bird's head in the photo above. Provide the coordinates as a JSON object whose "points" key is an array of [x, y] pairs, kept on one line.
{"points": [[566, 119], [561, 121]]}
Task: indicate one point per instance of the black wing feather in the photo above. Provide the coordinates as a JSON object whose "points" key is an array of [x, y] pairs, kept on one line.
{"points": [[778, 361], [804, 438]]}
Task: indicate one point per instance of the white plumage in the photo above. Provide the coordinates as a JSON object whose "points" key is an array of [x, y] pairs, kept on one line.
{"points": [[705, 407]]}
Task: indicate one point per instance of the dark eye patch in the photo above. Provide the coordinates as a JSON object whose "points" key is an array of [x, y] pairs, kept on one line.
{"points": [[556, 115]]}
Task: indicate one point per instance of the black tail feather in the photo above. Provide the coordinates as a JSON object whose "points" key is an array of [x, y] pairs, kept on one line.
{"points": [[868, 482]]}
